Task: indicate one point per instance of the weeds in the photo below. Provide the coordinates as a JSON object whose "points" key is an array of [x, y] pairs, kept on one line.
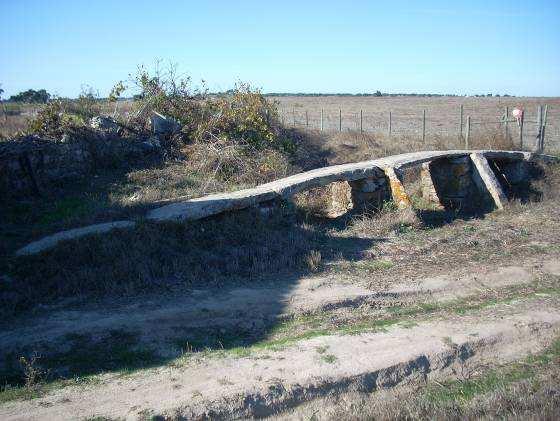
{"points": [[313, 260], [32, 373], [329, 358], [525, 389], [387, 221]]}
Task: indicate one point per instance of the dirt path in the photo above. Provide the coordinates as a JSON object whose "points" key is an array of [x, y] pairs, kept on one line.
{"points": [[347, 338], [271, 381], [156, 321]]}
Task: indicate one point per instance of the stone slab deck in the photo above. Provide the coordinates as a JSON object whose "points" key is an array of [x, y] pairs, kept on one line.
{"points": [[202, 207]]}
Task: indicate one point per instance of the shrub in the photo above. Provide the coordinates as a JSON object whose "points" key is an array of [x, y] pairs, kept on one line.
{"points": [[53, 120], [32, 96], [243, 116]]}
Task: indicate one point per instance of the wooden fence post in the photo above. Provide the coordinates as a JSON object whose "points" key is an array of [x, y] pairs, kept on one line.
{"points": [[539, 128], [506, 124], [321, 119], [461, 121], [521, 121], [467, 137], [543, 131], [361, 121], [423, 126], [390, 123], [339, 120], [306, 119]]}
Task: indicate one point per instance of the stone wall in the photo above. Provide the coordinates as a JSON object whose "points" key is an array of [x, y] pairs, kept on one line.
{"points": [[30, 165], [370, 193]]}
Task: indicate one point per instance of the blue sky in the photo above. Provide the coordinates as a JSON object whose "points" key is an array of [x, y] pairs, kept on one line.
{"points": [[462, 47]]}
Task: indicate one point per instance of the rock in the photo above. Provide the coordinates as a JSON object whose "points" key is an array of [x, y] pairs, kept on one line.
{"points": [[400, 197], [162, 125], [152, 143], [516, 172], [429, 191], [485, 179], [105, 124], [51, 240], [452, 183]]}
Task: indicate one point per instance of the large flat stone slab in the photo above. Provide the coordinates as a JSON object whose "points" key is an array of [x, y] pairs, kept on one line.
{"points": [[284, 188], [486, 180], [52, 240], [202, 207]]}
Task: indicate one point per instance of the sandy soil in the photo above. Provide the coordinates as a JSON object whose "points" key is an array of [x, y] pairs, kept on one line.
{"points": [[269, 381]]}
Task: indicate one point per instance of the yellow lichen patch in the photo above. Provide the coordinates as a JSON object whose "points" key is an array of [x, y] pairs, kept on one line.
{"points": [[400, 197]]}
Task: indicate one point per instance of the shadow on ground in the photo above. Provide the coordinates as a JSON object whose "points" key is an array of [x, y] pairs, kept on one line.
{"points": [[143, 297], [218, 284], [234, 272]]}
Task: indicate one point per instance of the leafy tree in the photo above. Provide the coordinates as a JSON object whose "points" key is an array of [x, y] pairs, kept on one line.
{"points": [[378, 93], [31, 95]]}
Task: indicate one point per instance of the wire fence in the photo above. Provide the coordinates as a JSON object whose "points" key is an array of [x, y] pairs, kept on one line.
{"points": [[537, 130]]}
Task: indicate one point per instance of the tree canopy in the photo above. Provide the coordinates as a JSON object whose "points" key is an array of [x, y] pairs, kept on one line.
{"points": [[31, 95]]}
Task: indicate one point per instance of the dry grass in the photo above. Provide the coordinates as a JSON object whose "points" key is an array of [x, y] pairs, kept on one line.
{"points": [[246, 246], [231, 248], [238, 246], [14, 118], [442, 115], [526, 389], [387, 221], [353, 147]]}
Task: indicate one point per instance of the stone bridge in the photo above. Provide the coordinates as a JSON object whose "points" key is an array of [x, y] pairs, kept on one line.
{"points": [[448, 178]]}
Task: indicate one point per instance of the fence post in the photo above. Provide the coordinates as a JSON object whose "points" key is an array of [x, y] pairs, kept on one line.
{"points": [[390, 123], [339, 120], [467, 138], [544, 127], [423, 126], [321, 119], [539, 128], [521, 121], [461, 121], [306, 119], [361, 121], [506, 124]]}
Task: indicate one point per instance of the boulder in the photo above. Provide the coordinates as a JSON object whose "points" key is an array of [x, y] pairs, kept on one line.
{"points": [[104, 124], [162, 125]]}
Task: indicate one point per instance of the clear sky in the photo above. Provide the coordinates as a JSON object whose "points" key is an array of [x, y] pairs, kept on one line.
{"points": [[463, 47]]}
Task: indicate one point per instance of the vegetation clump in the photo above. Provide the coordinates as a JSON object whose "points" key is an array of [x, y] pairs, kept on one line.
{"points": [[40, 96], [234, 136]]}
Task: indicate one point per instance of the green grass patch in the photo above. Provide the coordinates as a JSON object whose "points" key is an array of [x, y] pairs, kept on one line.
{"points": [[64, 210], [463, 391], [374, 265], [329, 358], [120, 351]]}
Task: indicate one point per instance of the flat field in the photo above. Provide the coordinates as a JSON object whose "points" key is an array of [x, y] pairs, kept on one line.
{"points": [[442, 115]]}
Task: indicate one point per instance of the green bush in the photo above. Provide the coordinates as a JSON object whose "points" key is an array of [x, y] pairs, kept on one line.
{"points": [[243, 116], [32, 96], [53, 120]]}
